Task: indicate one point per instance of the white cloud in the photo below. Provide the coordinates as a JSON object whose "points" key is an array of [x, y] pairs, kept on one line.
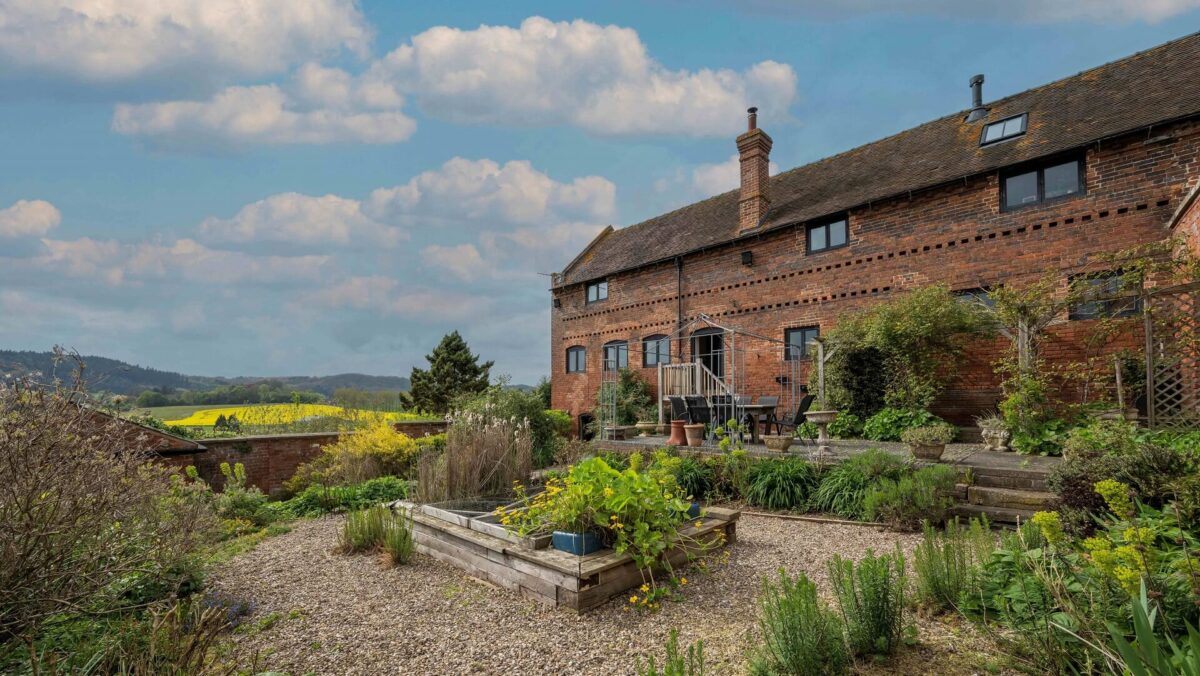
{"points": [[265, 114], [463, 261], [578, 73], [106, 41], [392, 297], [1034, 11], [482, 192], [29, 218], [116, 263], [293, 218]]}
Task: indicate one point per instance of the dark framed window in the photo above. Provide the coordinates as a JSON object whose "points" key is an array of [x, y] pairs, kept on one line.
{"points": [[1003, 129], [798, 340], [978, 294], [656, 350], [1103, 297], [828, 236], [1052, 181], [597, 291], [576, 359], [616, 355], [708, 348]]}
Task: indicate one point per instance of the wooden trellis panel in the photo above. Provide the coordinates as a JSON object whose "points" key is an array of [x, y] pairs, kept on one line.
{"points": [[1172, 326]]}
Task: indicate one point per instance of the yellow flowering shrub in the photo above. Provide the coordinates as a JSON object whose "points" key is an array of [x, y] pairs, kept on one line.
{"points": [[376, 451]]}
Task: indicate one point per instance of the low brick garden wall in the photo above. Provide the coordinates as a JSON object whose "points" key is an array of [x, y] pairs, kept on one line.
{"points": [[271, 460]]}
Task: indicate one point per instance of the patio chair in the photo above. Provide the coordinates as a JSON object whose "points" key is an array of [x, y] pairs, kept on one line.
{"points": [[679, 409], [797, 419], [699, 411]]}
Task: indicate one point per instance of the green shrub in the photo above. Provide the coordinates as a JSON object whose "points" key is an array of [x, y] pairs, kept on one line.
{"points": [[779, 484], [359, 455], [1150, 654], [730, 471], [929, 435], [237, 501], [843, 487], [1101, 437], [316, 500], [676, 663], [695, 478], [560, 422], [800, 634], [871, 598], [846, 426], [947, 564], [904, 503], [398, 540], [366, 529], [889, 423]]}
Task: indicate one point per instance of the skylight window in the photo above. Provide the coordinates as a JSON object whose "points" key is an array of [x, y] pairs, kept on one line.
{"points": [[1004, 129]]}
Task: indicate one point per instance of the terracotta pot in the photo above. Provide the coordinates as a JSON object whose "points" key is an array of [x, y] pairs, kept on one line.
{"points": [[678, 435], [927, 451], [777, 442], [695, 434]]}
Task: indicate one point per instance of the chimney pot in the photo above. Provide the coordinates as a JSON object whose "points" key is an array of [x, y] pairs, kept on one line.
{"points": [[978, 112], [753, 119]]}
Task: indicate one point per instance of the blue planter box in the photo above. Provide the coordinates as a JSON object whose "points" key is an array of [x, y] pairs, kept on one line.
{"points": [[694, 510], [576, 543]]}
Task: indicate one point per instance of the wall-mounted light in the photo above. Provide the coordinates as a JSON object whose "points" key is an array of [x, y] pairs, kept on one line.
{"points": [[557, 302], [747, 258]]}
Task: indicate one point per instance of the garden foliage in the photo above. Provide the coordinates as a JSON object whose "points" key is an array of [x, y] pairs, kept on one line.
{"points": [[800, 634], [870, 595], [453, 372], [907, 502], [689, 662], [843, 488], [780, 484]]}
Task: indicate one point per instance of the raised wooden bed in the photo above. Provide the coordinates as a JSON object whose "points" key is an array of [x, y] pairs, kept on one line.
{"points": [[524, 565]]}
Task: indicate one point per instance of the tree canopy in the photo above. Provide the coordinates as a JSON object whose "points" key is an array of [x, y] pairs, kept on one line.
{"points": [[453, 371]]}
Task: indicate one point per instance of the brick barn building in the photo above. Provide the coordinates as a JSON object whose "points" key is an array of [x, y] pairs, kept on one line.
{"points": [[1047, 179]]}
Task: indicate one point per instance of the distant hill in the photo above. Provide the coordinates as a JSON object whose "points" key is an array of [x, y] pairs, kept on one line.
{"points": [[120, 377]]}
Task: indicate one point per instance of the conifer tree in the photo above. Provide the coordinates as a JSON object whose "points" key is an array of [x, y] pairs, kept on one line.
{"points": [[453, 371]]}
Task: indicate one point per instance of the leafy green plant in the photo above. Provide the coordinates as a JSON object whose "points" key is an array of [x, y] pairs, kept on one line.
{"points": [[800, 634], [316, 500], [907, 502], [730, 472], [871, 598], [929, 435], [846, 426], [947, 564], [843, 487], [1150, 654], [889, 423], [695, 477], [779, 484], [239, 501], [676, 663]]}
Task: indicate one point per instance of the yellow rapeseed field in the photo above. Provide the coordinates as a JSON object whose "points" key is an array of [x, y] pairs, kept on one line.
{"points": [[282, 414]]}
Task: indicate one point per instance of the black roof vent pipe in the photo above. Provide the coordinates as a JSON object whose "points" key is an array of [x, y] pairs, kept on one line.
{"points": [[978, 112]]}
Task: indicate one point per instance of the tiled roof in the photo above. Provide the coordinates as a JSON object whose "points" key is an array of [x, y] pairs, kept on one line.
{"points": [[1149, 87]]}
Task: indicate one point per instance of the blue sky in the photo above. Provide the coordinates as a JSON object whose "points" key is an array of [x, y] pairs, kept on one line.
{"points": [[298, 187]]}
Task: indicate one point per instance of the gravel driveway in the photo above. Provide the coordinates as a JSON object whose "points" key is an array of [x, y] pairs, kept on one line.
{"points": [[350, 615]]}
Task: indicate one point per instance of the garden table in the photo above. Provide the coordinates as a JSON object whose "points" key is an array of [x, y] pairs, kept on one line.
{"points": [[754, 411]]}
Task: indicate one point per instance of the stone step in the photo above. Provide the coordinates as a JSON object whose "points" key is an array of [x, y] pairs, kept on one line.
{"points": [[1019, 479], [1009, 497], [995, 515]]}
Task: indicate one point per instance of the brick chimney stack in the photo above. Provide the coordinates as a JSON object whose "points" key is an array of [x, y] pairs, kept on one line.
{"points": [[754, 150]]}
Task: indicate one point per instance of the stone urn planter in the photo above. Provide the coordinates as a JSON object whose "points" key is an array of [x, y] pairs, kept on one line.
{"points": [[646, 428], [777, 442], [678, 436], [995, 438], [821, 419], [928, 442], [695, 434]]}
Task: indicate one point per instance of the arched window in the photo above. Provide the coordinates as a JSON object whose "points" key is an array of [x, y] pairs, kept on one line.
{"points": [[616, 355], [576, 359], [708, 348], [656, 350]]}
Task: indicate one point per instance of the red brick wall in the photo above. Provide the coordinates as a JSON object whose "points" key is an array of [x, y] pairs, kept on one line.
{"points": [[955, 234], [271, 460]]}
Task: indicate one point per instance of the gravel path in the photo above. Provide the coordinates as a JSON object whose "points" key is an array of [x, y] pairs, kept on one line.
{"points": [[350, 615]]}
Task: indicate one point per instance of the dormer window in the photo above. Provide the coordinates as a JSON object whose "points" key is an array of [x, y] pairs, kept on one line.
{"points": [[1004, 129], [597, 291]]}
